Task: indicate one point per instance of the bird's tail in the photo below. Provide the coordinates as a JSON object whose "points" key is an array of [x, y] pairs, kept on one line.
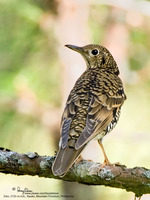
{"points": [[65, 159]]}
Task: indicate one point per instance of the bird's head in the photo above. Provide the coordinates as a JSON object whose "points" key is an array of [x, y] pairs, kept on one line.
{"points": [[96, 56]]}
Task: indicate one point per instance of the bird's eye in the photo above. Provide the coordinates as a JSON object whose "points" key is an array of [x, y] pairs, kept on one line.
{"points": [[94, 52]]}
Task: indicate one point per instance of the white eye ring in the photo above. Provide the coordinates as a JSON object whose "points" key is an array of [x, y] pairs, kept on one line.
{"points": [[94, 52]]}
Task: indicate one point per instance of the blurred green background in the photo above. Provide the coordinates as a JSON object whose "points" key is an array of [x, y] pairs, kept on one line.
{"points": [[37, 73]]}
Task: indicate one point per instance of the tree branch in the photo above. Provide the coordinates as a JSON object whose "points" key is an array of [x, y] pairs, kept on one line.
{"points": [[135, 179]]}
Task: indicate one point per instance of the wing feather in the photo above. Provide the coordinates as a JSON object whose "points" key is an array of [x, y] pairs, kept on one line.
{"points": [[72, 105], [100, 115], [65, 132], [98, 119]]}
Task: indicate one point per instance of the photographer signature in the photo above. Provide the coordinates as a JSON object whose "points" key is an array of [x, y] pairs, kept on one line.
{"points": [[25, 190]]}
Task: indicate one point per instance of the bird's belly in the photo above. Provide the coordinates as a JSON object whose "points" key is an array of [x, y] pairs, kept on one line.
{"points": [[109, 128], [100, 135]]}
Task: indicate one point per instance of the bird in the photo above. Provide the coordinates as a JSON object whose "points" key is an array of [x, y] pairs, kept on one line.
{"points": [[93, 106]]}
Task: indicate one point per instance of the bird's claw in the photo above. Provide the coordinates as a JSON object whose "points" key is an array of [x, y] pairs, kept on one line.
{"points": [[107, 163]]}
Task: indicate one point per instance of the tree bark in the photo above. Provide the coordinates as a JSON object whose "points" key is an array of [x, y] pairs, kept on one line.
{"points": [[135, 179]]}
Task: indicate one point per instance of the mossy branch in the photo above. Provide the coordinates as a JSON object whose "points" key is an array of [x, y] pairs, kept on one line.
{"points": [[135, 179]]}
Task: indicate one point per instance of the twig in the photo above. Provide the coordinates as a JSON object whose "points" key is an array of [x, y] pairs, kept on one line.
{"points": [[135, 179]]}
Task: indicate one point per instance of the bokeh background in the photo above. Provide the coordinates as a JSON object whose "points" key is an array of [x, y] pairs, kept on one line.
{"points": [[37, 73]]}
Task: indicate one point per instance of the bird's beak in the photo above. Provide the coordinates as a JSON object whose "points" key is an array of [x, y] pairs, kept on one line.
{"points": [[75, 48]]}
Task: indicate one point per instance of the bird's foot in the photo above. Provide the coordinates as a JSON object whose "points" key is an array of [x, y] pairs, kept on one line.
{"points": [[108, 163]]}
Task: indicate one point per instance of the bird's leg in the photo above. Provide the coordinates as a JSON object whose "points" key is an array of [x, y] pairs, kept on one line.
{"points": [[78, 159], [106, 161]]}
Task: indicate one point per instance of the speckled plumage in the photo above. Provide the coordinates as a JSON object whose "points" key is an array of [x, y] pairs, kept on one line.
{"points": [[93, 106]]}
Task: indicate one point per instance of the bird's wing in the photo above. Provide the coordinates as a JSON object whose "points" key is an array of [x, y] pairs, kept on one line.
{"points": [[67, 154], [69, 112], [103, 106]]}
